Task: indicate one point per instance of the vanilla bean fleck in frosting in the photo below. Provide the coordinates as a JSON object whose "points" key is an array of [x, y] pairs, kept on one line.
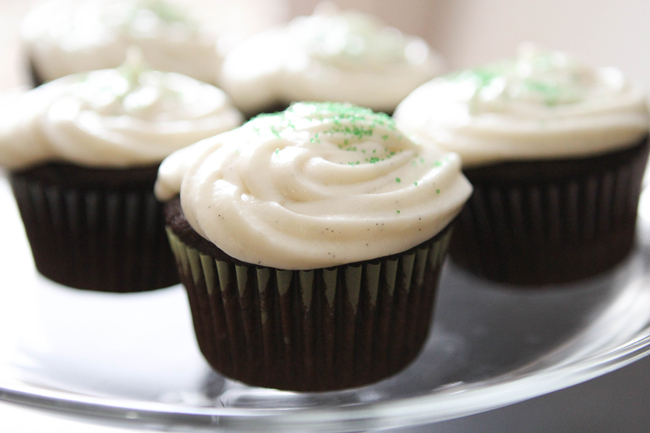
{"points": [[65, 37], [319, 185], [332, 55], [541, 104], [124, 117]]}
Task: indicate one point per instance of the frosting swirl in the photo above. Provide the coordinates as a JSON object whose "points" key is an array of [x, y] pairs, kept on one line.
{"points": [[319, 185], [542, 104], [66, 37], [130, 116], [332, 55]]}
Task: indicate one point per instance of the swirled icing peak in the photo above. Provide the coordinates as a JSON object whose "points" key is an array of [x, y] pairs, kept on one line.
{"points": [[128, 116], [332, 55], [66, 37], [536, 77], [142, 13], [350, 39], [541, 104], [318, 185]]}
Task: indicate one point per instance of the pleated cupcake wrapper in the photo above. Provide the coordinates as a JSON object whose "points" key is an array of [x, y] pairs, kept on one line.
{"points": [[111, 241], [314, 330], [553, 231]]}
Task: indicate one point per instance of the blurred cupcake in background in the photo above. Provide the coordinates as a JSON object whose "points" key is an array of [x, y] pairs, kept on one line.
{"points": [[64, 37], [556, 151], [83, 152], [332, 55]]}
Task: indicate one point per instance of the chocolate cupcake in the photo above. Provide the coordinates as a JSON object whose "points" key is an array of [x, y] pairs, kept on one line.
{"points": [[310, 243], [556, 152], [332, 55], [66, 37], [83, 153]]}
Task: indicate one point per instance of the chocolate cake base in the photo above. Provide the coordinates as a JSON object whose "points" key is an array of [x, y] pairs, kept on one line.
{"points": [[34, 75], [95, 229], [277, 107], [548, 222], [315, 330], [270, 109]]}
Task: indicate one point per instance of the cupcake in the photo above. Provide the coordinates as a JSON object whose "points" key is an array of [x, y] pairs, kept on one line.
{"points": [[83, 153], [556, 152], [310, 243], [332, 55], [65, 37]]}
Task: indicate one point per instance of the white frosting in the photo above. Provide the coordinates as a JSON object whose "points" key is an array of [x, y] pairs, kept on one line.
{"points": [[65, 37], [316, 186], [543, 104], [329, 56], [130, 116]]}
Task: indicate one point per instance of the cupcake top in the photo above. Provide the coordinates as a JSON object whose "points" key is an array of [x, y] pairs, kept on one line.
{"points": [[65, 37], [319, 185], [331, 55], [539, 105], [130, 116]]}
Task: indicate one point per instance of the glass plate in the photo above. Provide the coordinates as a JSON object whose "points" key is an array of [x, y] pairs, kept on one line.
{"points": [[132, 359]]}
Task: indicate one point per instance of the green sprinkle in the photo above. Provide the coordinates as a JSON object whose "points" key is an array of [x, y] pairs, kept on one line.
{"points": [[277, 151], [168, 13], [398, 180], [415, 183], [481, 77], [343, 121], [398, 211], [437, 191], [385, 137]]}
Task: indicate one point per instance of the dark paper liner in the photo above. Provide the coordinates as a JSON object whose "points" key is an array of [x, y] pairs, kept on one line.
{"points": [[95, 229], [549, 222], [317, 330]]}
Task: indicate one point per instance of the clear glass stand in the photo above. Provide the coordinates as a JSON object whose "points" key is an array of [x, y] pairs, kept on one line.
{"points": [[132, 359]]}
